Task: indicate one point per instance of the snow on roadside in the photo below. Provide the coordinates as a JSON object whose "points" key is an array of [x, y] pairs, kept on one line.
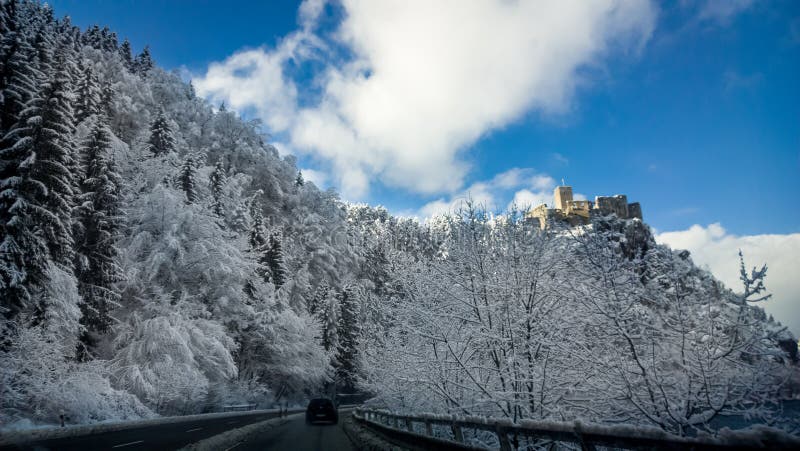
{"points": [[231, 438], [17, 437]]}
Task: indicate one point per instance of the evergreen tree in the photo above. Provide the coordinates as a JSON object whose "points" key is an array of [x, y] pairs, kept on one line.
{"points": [[257, 238], [328, 318], [8, 31], [273, 259], [108, 40], [218, 179], [127, 54], [98, 223], [349, 334], [88, 101], [92, 37], [143, 62], [44, 48], [51, 127], [316, 303], [19, 79], [36, 192], [299, 180], [107, 94], [187, 179], [161, 142]]}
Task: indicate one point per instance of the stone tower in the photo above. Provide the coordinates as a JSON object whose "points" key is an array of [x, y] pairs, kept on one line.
{"points": [[563, 195]]}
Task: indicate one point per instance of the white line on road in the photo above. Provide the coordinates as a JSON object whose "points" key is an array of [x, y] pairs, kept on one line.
{"points": [[127, 444], [234, 446], [195, 429]]}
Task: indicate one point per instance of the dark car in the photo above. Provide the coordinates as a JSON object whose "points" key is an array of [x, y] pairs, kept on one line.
{"points": [[321, 409]]}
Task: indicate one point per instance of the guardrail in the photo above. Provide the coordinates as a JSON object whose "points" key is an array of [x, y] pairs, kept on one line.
{"points": [[418, 433], [239, 408]]}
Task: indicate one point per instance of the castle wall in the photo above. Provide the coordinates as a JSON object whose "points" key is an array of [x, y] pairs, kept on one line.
{"points": [[576, 212], [563, 195], [617, 205], [635, 210]]}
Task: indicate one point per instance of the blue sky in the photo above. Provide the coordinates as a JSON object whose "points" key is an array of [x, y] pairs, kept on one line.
{"points": [[691, 108]]}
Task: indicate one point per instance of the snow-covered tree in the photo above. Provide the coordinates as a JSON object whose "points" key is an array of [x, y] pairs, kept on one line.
{"points": [[127, 54], [187, 179], [98, 225], [349, 335], [143, 62], [218, 179], [88, 95], [272, 258], [162, 141]]}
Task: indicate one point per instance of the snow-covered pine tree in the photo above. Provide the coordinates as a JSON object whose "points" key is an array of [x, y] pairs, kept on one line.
{"points": [[127, 54], [92, 37], [328, 318], [299, 180], [161, 141], [88, 94], [218, 179], [98, 223], [44, 48], [349, 333], [108, 40], [8, 31], [273, 258], [19, 79], [143, 62], [35, 200], [107, 94], [321, 294], [44, 137], [54, 163], [187, 179], [258, 238]]}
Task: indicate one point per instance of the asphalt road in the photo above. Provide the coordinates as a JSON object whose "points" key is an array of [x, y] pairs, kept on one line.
{"points": [[297, 435], [156, 437]]}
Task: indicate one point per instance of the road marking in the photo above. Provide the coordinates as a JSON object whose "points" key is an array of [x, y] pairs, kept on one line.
{"points": [[234, 446], [195, 429], [127, 444]]}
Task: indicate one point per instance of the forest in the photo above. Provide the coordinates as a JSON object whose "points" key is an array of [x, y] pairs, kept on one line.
{"points": [[158, 256]]}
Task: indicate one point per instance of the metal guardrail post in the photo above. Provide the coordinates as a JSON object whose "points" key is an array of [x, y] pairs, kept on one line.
{"points": [[457, 432], [585, 446], [408, 425], [428, 427], [502, 437]]}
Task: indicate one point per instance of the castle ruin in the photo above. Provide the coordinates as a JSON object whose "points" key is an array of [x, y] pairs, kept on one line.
{"points": [[576, 212]]}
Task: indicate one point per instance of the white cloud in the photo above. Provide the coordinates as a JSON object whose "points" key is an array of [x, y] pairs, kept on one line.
{"points": [[425, 81], [523, 186], [714, 247], [722, 11], [525, 199], [318, 178]]}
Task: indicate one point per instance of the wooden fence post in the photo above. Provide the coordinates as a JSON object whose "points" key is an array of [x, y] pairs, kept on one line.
{"points": [[428, 427], [408, 425]]}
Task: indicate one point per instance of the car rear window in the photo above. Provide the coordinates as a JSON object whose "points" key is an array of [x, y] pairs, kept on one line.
{"points": [[320, 402]]}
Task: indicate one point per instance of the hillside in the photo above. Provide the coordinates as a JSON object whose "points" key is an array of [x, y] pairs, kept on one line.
{"points": [[160, 257]]}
